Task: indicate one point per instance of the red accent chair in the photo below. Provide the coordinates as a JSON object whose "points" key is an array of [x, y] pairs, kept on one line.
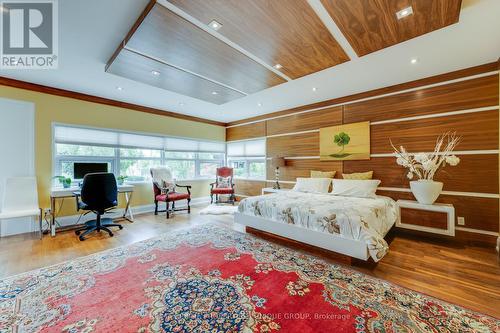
{"points": [[217, 188], [167, 196]]}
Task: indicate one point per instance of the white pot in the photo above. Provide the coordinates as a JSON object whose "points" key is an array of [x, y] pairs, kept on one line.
{"points": [[426, 191]]}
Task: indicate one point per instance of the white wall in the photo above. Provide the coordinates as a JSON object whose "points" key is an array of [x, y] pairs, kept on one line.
{"points": [[17, 154]]}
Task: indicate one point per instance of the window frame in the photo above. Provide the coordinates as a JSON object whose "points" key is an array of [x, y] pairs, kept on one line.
{"points": [[115, 160], [248, 160]]}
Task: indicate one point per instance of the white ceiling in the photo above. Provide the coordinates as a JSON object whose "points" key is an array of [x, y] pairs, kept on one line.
{"points": [[90, 31]]}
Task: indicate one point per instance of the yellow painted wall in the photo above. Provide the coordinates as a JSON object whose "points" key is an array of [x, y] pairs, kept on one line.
{"points": [[50, 109]]}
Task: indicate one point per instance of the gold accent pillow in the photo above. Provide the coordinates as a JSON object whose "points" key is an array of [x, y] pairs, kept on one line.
{"points": [[322, 174], [358, 175]]}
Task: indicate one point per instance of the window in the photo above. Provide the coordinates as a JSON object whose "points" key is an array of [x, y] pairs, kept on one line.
{"points": [[247, 158], [132, 155]]}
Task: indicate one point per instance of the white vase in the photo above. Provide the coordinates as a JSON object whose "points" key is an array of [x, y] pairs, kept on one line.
{"points": [[426, 191]]}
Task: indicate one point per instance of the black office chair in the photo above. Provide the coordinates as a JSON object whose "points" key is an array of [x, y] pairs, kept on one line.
{"points": [[99, 194]]}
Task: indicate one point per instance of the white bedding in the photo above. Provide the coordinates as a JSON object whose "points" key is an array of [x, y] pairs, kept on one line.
{"points": [[367, 219]]}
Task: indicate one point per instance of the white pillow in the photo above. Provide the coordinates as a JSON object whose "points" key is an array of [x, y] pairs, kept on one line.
{"points": [[312, 185], [355, 188]]}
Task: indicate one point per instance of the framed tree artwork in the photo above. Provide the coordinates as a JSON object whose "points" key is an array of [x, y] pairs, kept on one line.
{"points": [[345, 142]]}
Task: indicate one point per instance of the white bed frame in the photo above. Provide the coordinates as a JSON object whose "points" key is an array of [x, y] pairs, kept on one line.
{"points": [[353, 248]]}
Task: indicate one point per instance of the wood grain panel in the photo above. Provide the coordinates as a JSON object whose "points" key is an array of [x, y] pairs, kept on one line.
{"points": [[475, 173], [370, 26], [131, 32], [250, 131], [479, 213], [305, 121], [248, 187], [167, 36], [302, 168], [306, 144], [289, 34], [138, 68], [424, 218], [479, 131], [470, 94], [488, 67]]}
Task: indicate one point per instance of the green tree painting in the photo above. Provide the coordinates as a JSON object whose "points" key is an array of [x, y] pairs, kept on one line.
{"points": [[342, 139]]}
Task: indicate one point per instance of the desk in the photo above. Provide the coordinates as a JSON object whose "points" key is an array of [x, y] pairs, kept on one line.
{"points": [[59, 193]]}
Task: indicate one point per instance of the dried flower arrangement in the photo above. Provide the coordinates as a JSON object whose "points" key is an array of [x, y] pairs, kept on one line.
{"points": [[424, 166]]}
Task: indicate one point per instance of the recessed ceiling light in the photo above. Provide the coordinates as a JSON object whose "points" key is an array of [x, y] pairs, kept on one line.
{"points": [[119, 88], [215, 25], [278, 66], [414, 61], [155, 73], [259, 104], [181, 104], [404, 12], [314, 89], [215, 93]]}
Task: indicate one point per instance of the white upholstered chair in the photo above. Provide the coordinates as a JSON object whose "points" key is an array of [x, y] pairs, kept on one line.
{"points": [[20, 199]]}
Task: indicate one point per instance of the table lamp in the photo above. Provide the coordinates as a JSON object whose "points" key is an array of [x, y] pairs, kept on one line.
{"points": [[277, 162]]}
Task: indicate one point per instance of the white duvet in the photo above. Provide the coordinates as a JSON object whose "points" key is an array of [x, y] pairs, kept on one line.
{"points": [[355, 218]]}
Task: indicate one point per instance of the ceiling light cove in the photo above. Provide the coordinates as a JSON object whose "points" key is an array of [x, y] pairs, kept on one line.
{"points": [[404, 13], [215, 25]]}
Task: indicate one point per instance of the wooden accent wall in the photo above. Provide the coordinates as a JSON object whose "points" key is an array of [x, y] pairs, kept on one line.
{"points": [[413, 118]]}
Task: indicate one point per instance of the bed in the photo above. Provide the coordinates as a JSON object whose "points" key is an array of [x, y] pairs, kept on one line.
{"points": [[348, 225]]}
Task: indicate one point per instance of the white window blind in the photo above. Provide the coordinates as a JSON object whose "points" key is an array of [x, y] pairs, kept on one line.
{"points": [[251, 148], [140, 141], [76, 135], [86, 136]]}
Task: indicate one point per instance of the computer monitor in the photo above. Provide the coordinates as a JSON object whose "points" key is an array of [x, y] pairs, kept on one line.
{"points": [[81, 169]]}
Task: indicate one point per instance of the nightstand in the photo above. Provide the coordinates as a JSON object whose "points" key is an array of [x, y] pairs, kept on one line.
{"points": [[268, 190], [437, 218]]}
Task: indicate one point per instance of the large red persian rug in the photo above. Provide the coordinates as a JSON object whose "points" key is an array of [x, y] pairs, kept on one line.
{"points": [[212, 279]]}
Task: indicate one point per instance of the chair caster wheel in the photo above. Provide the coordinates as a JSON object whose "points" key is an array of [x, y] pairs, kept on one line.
{"points": [[111, 235], [120, 227], [81, 238], [77, 232]]}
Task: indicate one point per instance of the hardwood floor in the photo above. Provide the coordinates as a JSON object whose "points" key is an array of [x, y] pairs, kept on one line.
{"points": [[465, 275]]}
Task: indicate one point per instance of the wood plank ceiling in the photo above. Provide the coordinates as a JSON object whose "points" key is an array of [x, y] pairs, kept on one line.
{"points": [[172, 51], [371, 25]]}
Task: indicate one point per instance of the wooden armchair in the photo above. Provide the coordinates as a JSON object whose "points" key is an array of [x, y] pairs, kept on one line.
{"points": [[223, 185], [164, 189]]}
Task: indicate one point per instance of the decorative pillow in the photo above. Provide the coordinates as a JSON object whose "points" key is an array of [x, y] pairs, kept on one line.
{"points": [[355, 188], [167, 185], [223, 182], [312, 185], [323, 174], [358, 175]]}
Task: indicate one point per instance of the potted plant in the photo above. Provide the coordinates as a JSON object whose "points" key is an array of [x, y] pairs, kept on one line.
{"points": [[424, 167], [121, 179], [65, 181]]}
